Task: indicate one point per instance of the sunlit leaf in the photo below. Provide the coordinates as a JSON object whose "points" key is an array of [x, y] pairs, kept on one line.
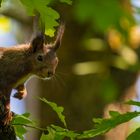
{"points": [[65, 132], [22, 119], [50, 32], [58, 133], [114, 113], [106, 124], [58, 109], [135, 135], [20, 131], [131, 102], [19, 121], [27, 114], [97, 120], [52, 135], [44, 137], [48, 15], [30, 5]]}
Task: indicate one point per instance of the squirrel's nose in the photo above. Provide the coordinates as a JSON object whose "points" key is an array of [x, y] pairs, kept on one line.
{"points": [[50, 73]]}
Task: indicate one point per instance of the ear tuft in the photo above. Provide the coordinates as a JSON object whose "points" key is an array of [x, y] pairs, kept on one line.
{"points": [[59, 36], [37, 42]]}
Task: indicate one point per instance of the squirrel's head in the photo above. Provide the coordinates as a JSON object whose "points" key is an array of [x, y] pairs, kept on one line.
{"points": [[44, 59]]}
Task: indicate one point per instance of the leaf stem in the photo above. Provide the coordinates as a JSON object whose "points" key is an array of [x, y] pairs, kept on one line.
{"points": [[31, 126]]}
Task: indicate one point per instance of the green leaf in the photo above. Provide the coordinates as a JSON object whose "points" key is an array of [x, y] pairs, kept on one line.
{"points": [[26, 114], [44, 137], [131, 102], [19, 121], [134, 135], [58, 109], [67, 1], [22, 119], [52, 135], [20, 131], [58, 133], [106, 124], [97, 120], [114, 113], [100, 16], [29, 6], [50, 32], [65, 132], [49, 136], [48, 15]]}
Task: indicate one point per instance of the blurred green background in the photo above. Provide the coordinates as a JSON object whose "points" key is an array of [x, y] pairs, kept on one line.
{"points": [[98, 59]]}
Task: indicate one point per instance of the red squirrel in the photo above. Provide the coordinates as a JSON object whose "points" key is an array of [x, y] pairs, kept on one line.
{"points": [[19, 62]]}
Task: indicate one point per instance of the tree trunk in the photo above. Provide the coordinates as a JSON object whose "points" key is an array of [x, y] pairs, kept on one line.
{"points": [[7, 132]]}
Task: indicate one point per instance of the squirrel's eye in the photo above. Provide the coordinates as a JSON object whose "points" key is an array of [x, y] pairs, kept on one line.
{"points": [[40, 58]]}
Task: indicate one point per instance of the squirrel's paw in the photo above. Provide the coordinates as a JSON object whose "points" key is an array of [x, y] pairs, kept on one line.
{"points": [[21, 93]]}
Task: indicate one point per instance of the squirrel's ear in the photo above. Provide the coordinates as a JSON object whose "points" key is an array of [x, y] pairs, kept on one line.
{"points": [[37, 43], [59, 36]]}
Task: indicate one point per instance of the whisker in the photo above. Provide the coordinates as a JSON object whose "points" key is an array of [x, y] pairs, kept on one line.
{"points": [[61, 81], [55, 81], [62, 73]]}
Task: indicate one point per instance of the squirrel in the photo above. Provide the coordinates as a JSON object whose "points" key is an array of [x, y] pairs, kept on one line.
{"points": [[19, 62]]}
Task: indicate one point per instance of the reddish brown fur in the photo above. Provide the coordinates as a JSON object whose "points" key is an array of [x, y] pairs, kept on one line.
{"points": [[19, 61]]}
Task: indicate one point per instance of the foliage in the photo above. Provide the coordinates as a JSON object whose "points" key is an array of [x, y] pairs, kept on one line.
{"points": [[131, 102], [98, 12], [58, 133], [48, 15], [57, 109], [52, 132], [103, 19], [104, 125], [19, 122], [134, 135]]}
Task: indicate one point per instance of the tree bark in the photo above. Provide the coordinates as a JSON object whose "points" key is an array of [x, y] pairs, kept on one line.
{"points": [[7, 132]]}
